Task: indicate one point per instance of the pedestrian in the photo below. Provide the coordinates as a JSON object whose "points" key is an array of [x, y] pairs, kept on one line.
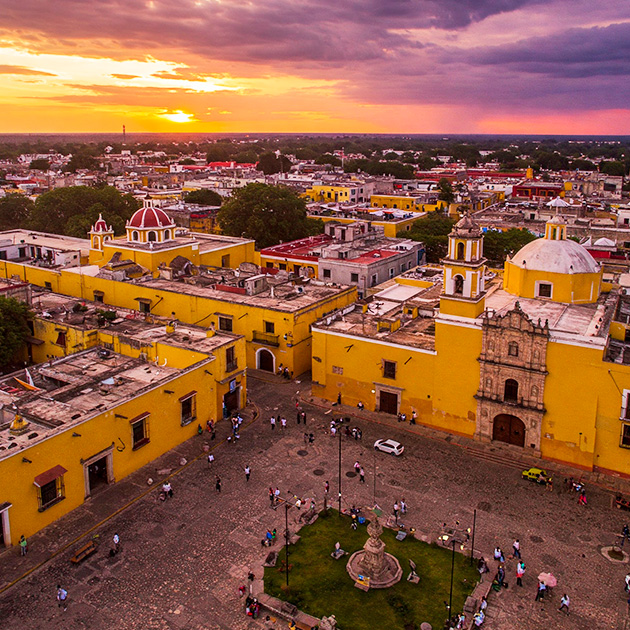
{"points": [[326, 487], [276, 495], [564, 603], [242, 589], [501, 575], [549, 486], [62, 597], [516, 547], [23, 546], [304, 417], [403, 506], [582, 499], [299, 415], [482, 567], [248, 472], [305, 438], [217, 484], [498, 554], [540, 595], [116, 543], [414, 417], [272, 420], [311, 438], [339, 398], [167, 490], [627, 586], [396, 508], [210, 460], [360, 406], [271, 497], [520, 572], [361, 475], [283, 422], [357, 467]]}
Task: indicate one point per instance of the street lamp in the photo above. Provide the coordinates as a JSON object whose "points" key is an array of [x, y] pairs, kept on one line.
{"points": [[339, 431], [472, 545], [286, 539]]}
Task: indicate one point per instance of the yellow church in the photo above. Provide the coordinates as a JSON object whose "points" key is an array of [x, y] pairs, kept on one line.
{"points": [[536, 359]]}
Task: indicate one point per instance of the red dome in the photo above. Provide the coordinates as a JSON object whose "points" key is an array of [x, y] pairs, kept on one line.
{"points": [[149, 217], [100, 225]]}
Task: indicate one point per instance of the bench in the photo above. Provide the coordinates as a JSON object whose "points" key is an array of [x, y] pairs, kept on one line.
{"points": [[84, 552], [288, 612]]}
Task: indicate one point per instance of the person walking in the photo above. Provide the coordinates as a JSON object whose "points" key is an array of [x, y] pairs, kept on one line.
{"points": [[299, 415], [248, 472], [403, 506], [357, 467], [217, 484], [396, 508], [23, 545], [116, 543], [283, 423], [516, 549], [271, 497], [540, 594], [167, 490], [582, 499], [210, 460], [272, 421], [326, 488], [304, 417], [62, 597], [564, 603], [520, 572], [361, 475], [276, 495]]}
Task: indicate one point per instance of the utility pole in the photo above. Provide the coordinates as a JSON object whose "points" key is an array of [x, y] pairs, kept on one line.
{"points": [[286, 541], [472, 546], [450, 597], [339, 431]]}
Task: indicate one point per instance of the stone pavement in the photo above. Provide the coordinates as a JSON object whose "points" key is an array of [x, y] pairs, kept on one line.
{"points": [[183, 560]]}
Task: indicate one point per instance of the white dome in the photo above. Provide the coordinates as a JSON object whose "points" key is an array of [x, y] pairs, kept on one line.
{"points": [[555, 257]]}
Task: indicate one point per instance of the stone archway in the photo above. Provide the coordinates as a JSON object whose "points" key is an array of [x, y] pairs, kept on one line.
{"points": [[509, 429]]}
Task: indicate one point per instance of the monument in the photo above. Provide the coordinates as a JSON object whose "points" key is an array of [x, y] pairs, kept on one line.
{"points": [[382, 569]]}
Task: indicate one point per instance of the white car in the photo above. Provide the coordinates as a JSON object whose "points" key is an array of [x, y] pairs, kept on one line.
{"points": [[389, 446]]}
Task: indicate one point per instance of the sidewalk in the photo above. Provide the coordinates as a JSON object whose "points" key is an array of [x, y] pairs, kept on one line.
{"points": [[92, 517]]}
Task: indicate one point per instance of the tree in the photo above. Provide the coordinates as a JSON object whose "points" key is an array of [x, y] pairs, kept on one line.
{"points": [[81, 161], [582, 165], [328, 158], [53, 210], [14, 211], [14, 329], [268, 214], [218, 153], [187, 162], [433, 231], [204, 197], [39, 165], [446, 191], [269, 164], [612, 168], [498, 245]]}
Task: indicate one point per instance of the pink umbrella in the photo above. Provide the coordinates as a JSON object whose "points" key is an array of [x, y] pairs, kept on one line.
{"points": [[549, 579]]}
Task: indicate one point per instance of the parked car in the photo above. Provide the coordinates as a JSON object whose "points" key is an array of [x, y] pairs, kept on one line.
{"points": [[535, 474], [389, 446]]}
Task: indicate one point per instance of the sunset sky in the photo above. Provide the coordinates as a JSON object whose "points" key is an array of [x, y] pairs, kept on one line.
{"points": [[371, 66]]}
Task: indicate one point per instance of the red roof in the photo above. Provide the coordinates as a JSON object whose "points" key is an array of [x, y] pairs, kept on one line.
{"points": [[100, 225], [150, 217], [374, 255]]}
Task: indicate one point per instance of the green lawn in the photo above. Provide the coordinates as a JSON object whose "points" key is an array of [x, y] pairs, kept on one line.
{"points": [[319, 585]]}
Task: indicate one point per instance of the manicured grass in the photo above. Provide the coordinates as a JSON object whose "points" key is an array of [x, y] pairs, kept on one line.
{"points": [[319, 585]]}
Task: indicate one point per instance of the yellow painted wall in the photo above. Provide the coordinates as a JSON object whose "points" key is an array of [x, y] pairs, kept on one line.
{"points": [[97, 434]]}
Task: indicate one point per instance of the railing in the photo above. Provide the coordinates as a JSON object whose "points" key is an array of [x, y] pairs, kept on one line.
{"points": [[266, 338]]}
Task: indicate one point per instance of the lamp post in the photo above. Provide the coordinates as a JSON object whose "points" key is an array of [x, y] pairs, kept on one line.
{"points": [[339, 431], [286, 540], [374, 452], [450, 596], [472, 546]]}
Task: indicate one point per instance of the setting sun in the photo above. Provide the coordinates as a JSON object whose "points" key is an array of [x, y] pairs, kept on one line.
{"points": [[178, 116]]}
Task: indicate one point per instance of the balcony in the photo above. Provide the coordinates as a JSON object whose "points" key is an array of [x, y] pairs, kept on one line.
{"points": [[268, 339]]}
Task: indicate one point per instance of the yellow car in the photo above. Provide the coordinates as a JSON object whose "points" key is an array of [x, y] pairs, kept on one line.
{"points": [[535, 474]]}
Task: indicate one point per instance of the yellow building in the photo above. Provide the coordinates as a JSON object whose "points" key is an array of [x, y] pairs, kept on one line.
{"points": [[392, 225], [75, 424], [541, 364], [405, 202], [341, 192], [153, 240]]}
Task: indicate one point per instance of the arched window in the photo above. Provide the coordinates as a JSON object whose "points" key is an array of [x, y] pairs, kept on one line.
{"points": [[152, 236], [97, 242], [134, 235], [459, 285], [107, 238], [513, 349], [461, 251], [510, 393], [167, 235]]}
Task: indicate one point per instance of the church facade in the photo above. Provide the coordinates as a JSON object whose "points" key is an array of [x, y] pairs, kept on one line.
{"points": [[533, 359]]}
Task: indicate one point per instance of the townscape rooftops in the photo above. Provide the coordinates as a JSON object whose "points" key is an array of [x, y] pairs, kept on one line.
{"points": [[43, 239], [73, 389]]}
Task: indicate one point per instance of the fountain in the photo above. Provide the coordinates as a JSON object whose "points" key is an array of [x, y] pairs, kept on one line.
{"points": [[382, 568]]}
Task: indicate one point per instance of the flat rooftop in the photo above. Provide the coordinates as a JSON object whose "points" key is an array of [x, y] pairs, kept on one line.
{"points": [[205, 242], [72, 390], [43, 239], [59, 308]]}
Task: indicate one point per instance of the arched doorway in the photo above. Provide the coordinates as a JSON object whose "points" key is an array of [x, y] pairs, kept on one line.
{"points": [[265, 360], [458, 285], [509, 429]]}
